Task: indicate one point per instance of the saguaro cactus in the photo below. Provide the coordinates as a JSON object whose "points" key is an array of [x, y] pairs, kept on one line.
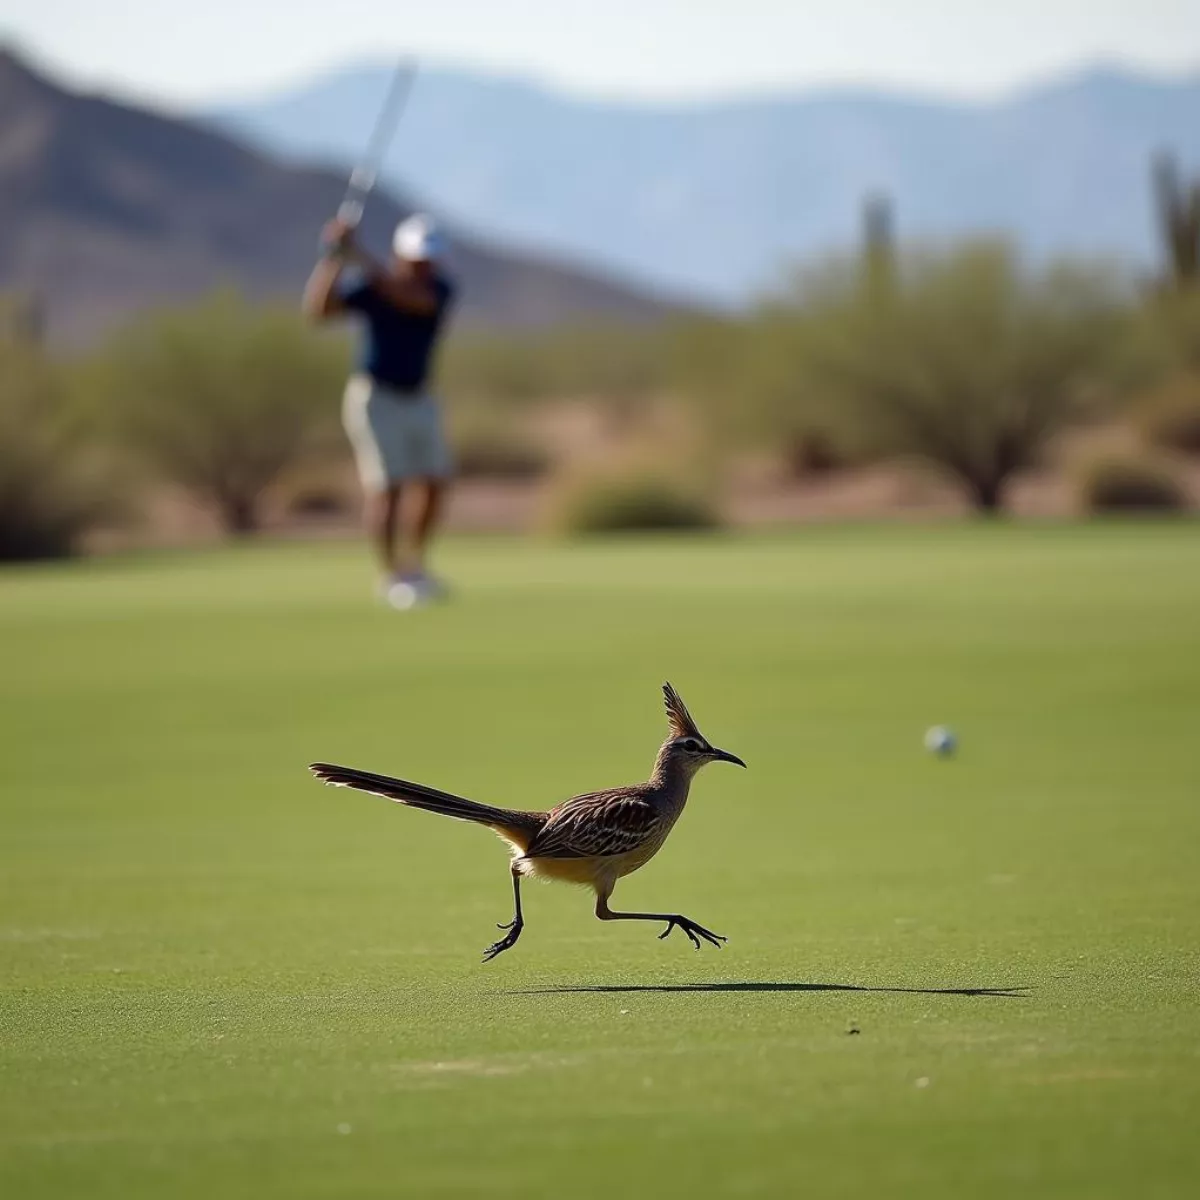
{"points": [[879, 244], [1178, 203]]}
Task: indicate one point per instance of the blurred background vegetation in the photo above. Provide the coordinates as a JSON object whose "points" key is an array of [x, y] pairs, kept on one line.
{"points": [[958, 368]]}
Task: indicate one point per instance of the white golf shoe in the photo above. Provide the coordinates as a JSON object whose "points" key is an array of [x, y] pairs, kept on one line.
{"points": [[412, 589]]}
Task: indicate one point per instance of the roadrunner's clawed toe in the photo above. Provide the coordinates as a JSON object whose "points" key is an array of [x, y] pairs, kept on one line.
{"points": [[592, 839], [505, 943], [694, 931]]}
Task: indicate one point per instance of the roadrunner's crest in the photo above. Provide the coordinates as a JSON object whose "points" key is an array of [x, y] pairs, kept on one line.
{"points": [[678, 717]]}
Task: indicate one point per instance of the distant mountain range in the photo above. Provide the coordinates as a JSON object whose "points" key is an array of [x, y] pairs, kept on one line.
{"points": [[711, 199], [107, 209]]}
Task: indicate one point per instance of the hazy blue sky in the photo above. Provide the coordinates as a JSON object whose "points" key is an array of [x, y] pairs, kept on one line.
{"points": [[202, 50]]}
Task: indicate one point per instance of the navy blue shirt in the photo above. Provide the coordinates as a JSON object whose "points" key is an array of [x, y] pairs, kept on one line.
{"points": [[397, 346]]}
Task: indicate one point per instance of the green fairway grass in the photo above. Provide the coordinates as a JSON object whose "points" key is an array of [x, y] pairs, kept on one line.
{"points": [[977, 977]]}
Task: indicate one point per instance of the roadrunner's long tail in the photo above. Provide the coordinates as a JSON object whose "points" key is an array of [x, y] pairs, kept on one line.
{"points": [[417, 795]]}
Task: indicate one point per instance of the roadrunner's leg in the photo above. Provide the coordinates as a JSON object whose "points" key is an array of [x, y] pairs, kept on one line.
{"points": [[514, 926], [695, 932]]}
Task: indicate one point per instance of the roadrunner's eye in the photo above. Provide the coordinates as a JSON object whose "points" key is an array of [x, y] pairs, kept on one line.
{"points": [[692, 746]]}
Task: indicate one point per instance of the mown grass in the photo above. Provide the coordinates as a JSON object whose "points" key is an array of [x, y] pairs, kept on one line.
{"points": [[219, 978]]}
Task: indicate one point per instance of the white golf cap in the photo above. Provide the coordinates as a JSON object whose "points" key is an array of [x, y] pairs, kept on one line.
{"points": [[418, 239]]}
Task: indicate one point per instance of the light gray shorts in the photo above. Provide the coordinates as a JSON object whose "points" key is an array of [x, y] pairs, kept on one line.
{"points": [[395, 437]]}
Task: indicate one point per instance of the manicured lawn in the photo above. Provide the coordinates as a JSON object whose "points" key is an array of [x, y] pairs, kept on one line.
{"points": [[218, 978]]}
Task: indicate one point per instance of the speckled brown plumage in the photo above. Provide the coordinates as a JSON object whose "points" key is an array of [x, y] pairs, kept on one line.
{"points": [[593, 839]]}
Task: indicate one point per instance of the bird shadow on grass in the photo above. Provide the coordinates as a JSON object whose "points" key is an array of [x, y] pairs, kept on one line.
{"points": [[1012, 993]]}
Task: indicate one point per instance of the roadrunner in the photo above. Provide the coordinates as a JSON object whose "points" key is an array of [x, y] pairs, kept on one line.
{"points": [[592, 839]]}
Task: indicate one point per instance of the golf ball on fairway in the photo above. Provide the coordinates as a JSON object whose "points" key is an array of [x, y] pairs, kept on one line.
{"points": [[939, 740]]}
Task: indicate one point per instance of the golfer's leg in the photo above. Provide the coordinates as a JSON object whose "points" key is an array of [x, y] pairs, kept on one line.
{"points": [[383, 524], [427, 514]]}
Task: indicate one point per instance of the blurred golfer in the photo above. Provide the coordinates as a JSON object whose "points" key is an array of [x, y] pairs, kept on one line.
{"points": [[393, 422]]}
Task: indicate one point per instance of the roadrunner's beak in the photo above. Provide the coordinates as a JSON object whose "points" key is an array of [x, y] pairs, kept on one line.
{"points": [[725, 756]]}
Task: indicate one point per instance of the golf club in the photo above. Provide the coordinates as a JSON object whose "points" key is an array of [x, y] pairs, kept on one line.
{"points": [[362, 178]]}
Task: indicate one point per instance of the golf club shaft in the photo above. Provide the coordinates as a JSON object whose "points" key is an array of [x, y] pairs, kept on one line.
{"points": [[362, 178]]}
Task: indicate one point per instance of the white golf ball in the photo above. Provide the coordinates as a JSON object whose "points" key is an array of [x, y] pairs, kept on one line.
{"points": [[940, 740]]}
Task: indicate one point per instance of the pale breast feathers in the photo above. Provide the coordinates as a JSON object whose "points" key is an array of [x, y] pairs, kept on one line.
{"points": [[597, 825]]}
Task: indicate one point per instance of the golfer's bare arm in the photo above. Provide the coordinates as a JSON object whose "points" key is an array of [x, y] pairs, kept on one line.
{"points": [[321, 300]]}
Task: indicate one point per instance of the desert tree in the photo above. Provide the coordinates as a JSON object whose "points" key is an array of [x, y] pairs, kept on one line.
{"points": [[969, 361], [221, 397]]}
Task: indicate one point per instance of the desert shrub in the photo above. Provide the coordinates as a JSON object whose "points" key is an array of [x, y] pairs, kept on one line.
{"points": [[1159, 343], [53, 487], [495, 446], [507, 370], [509, 457], [813, 453], [1170, 416], [612, 363], [316, 501], [1129, 483], [752, 382], [632, 500]]}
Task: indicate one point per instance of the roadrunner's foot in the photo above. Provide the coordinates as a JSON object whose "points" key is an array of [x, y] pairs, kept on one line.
{"points": [[694, 931], [506, 942]]}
